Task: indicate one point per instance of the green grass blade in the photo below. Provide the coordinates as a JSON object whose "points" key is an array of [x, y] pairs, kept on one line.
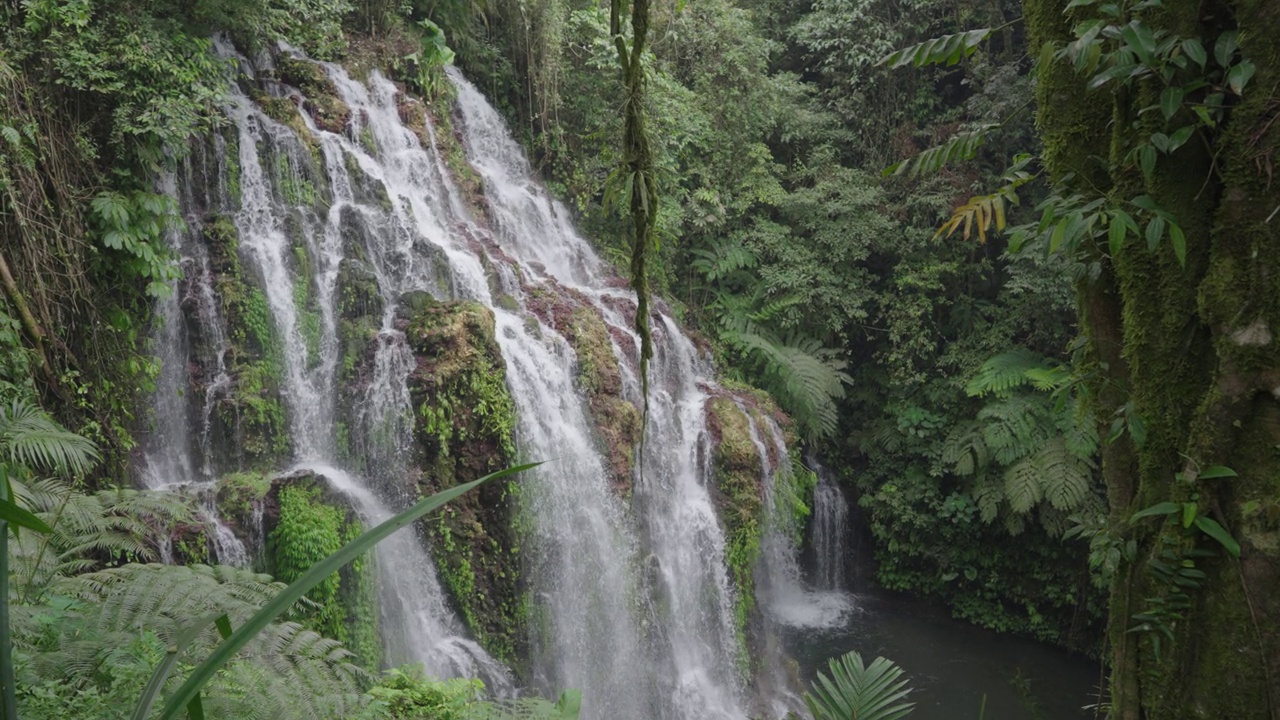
{"points": [[318, 572], [158, 676]]}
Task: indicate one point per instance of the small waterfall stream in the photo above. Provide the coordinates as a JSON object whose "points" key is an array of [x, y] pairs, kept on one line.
{"points": [[634, 601]]}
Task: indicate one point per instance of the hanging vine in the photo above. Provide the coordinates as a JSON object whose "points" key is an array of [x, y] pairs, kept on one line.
{"points": [[637, 178]]}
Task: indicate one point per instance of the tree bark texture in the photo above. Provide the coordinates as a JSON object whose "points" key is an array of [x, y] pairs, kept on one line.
{"points": [[1196, 349]]}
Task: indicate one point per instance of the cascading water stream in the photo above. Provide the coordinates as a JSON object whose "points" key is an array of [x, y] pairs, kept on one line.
{"points": [[829, 534], [169, 460], [674, 641], [418, 625], [633, 600]]}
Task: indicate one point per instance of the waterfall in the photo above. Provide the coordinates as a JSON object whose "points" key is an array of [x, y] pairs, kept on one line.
{"points": [[169, 455], [829, 534], [624, 556], [787, 600]]}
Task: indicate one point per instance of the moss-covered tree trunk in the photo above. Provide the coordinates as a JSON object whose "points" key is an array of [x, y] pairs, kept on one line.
{"points": [[1196, 349]]}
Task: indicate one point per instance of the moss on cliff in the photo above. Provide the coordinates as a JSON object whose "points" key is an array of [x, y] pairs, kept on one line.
{"points": [[465, 420], [599, 377], [252, 415], [737, 472], [306, 524]]}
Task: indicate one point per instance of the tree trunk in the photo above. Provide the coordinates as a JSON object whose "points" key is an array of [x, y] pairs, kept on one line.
{"points": [[1194, 348]]}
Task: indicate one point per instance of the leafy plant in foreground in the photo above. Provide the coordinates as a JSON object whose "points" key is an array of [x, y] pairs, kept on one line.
{"points": [[856, 691]]}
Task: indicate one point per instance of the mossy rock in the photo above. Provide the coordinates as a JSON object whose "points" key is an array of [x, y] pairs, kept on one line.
{"points": [[322, 103], [617, 421], [740, 498], [464, 429], [250, 418], [305, 521]]}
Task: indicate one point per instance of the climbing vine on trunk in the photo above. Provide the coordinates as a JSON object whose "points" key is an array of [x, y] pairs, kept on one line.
{"points": [[636, 179]]}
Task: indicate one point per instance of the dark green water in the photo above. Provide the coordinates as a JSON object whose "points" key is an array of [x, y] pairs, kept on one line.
{"points": [[952, 664]]}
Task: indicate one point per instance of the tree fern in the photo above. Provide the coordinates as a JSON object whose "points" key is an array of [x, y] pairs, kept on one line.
{"points": [[1065, 476], [1022, 485], [1014, 427]]}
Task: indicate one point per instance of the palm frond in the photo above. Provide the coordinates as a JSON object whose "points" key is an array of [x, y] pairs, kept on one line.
{"points": [[855, 691]]}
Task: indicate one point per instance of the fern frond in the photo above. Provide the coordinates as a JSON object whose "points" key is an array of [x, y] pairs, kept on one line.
{"points": [[961, 147], [30, 438], [982, 212], [943, 50], [988, 494], [966, 449], [1022, 486], [724, 258], [1005, 372], [1014, 427], [804, 377], [1065, 476]]}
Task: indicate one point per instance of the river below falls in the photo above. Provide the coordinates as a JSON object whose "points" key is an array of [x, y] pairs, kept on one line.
{"points": [[952, 664]]}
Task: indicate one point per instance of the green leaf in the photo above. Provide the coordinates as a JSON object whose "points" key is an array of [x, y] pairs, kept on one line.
{"points": [[1239, 75], [947, 49], [294, 592], [1225, 48], [1217, 471], [195, 708], [1180, 137], [1195, 50], [1147, 159], [1170, 101], [853, 690], [1188, 513], [1155, 231], [1210, 527], [1179, 243], [1163, 508], [1139, 39], [10, 512]]}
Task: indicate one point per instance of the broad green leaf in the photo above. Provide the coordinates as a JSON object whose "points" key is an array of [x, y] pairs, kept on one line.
{"points": [[1188, 513], [1115, 236], [294, 592], [1225, 48], [1217, 471], [1195, 50], [1163, 508], [1170, 101], [1180, 137], [1210, 527], [947, 49], [1147, 159], [1155, 231], [10, 512], [1239, 75], [1179, 243]]}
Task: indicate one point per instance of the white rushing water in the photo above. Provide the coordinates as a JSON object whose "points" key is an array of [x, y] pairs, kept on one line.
{"points": [[829, 534], [634, 603]]}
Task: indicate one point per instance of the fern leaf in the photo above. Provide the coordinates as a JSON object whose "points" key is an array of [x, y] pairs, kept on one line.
{"points": [[1022, 486], [961, 147], [1065, 476], [988, 494], [947, 49], [1006, 371]]}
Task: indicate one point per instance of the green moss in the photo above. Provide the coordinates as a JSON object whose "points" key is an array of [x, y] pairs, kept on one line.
{"points": [[322, 101], [253, 413], [307, 531], [736, 464], [464, 429], [237, 495]]}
